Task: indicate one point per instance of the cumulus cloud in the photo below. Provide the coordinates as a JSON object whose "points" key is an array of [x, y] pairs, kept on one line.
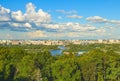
{"points": [[28, 25], [36, 17], [79, 27], [51, 26], [4, 14], [67, 12], [15, 24], [77, 34], [17, 16], [75, 30], [30, 8], [69, 26], [39, 24], [37, 34], [96, 19], [74, 26], [75, 16], [100, 31], [30, 19], [115, 21]]}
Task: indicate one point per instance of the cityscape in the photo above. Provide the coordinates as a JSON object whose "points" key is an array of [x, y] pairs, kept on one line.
{"points": [[57, 42]]}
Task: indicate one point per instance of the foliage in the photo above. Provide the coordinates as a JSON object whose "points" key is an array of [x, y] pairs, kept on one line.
{"points": [[101, 62]]}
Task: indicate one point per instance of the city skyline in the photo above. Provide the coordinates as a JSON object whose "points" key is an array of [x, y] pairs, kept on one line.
{"points": [[53, 19]]}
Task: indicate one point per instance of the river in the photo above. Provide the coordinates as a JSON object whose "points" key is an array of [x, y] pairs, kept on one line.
{"points": [[60, 50]]}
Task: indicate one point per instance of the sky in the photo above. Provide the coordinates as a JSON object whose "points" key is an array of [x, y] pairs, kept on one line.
{"points": [[59, 19]]}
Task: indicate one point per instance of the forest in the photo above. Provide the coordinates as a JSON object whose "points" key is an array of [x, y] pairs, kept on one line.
{"points": [[101, 62]]}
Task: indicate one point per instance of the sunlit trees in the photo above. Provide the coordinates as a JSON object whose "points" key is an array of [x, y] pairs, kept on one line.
{"points": [[35, 63], [66, 70]]}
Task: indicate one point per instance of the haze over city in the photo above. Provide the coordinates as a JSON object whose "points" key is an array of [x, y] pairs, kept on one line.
{"points": [[59, 19]]}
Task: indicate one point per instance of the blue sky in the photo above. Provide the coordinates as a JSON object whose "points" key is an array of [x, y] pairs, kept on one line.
{"points": [[59, 19]]}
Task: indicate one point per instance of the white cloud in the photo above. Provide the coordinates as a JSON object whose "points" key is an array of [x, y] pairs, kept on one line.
{"points": [[75, 16], [26, 25], [17, 16], [77, 34], [67, 12], [15, 24], [4, 14], [96, 19], [69, 26], [31, 15], [79, 27], [37, 34], [51, 26], [100, 31], [30, 8], [114, 21], [37, 17], [41, 21]]}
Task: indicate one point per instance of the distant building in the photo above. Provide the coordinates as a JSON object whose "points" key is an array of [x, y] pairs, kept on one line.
{"points": [[58, 42], [100, 41], [15, 42]]}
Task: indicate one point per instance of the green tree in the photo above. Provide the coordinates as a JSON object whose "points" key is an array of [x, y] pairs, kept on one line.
{"points": [[66, 70]]}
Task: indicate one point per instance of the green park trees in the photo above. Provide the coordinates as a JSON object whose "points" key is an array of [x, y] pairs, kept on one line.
{"points": [[19, 63]]}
